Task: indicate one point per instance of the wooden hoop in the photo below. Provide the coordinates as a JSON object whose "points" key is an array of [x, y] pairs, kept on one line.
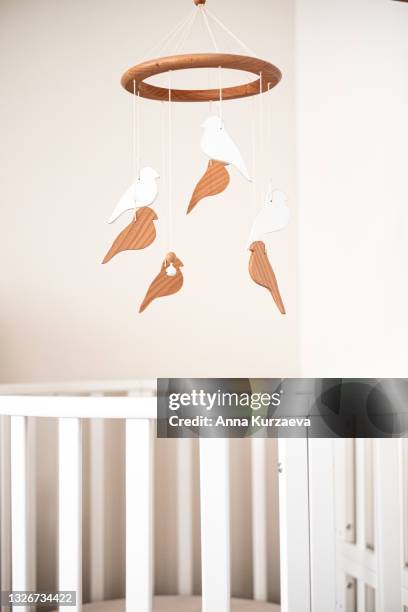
{"points": [[271, 75]]}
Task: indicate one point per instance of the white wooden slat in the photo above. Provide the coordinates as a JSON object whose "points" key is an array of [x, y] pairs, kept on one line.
{"points": [[215, 524], [31, 504], [70, 508], [185, 516], [259, 518], [360, 494], [82, 407], [361, 542], [19, 505], [322, 524], [341, 518], [139, 519], [139, 386], [404, 490], [97, 507], [5, 505], [388, 523], [294, 525], [350, 489]]}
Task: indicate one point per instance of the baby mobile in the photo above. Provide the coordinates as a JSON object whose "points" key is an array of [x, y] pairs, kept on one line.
{"points": [[216, 144]]}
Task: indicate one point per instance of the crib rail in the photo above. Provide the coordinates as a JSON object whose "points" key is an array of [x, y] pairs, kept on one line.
{"points": [[139, 414], [371, 479]]}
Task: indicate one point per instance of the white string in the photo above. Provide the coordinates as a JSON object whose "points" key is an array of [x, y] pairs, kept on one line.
{"points": [[185, 34], [269, 135], [254, 160], [163, 155], [164, 42], [261, 133], [134, 164], [220, 87], [229, 32], [170, 167], [207, 25], [138, 129]]}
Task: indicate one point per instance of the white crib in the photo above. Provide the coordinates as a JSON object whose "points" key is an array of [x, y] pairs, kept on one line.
{"points": [[329, 561], [135, 403]]}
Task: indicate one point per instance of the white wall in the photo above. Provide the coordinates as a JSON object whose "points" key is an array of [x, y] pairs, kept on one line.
{"points": [[65, 158], [352, 186]]}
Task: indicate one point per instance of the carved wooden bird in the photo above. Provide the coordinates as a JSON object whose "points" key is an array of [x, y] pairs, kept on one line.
{"points": [[139, 234], [261, 272], [214, 181], [167, 282]]}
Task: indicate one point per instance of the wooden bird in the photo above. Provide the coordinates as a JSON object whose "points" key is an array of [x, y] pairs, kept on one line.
{"points": [[214, 181], [167, 282], [139, 234], [261, 272]]}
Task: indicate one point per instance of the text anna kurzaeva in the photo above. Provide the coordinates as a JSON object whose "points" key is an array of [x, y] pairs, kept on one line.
{"points": [[255, 405]]}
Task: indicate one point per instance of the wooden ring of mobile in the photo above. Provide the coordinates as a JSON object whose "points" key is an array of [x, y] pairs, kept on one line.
{"points": [[134, 79]]}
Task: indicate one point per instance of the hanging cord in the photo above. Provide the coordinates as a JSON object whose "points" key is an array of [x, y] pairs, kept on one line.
{"points": [[261, 135], [269, 137], [220, 87], [229, 32], [163, 157], [138, 129], [185, 34], [134, 171], [170, 166], [169, 38], [254, 159], [209, 29]]}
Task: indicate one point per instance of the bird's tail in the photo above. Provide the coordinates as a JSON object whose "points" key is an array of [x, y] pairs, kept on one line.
{"points": [[277, 297], [244, 171], [148, 300]]}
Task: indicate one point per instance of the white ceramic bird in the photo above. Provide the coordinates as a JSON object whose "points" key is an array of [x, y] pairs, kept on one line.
{"points": [[143, 192], [218, 145], [272, 217]]}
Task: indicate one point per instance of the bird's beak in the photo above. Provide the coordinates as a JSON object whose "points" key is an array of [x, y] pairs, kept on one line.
{"points": [[155, 217]]}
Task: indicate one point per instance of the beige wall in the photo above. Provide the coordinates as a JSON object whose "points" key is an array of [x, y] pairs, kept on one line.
{"points": [[65, 157], [352, 134]]}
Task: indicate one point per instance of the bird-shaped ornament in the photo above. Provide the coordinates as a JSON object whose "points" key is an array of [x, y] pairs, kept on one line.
{"points": [[214, 181], [262, 273], [273, 216], [143, 192], [167, 282], [139, 234], [217, 144]]}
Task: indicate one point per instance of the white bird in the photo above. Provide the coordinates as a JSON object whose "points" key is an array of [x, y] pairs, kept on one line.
{"points": [[218, 145], [143, 192], [273, 216]]}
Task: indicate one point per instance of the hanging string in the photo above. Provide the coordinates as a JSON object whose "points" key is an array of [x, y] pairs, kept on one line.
{"points": [[269, 134], [254, 160], [138, 129], [165, 42], [163, 156], [134, 163], [261, 135], [228, 31], [170, 166], [207, 25], [220, 87], [185, 34]]}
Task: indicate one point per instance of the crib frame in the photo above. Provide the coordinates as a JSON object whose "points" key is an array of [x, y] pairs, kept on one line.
{"points": [[324, 567]]}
